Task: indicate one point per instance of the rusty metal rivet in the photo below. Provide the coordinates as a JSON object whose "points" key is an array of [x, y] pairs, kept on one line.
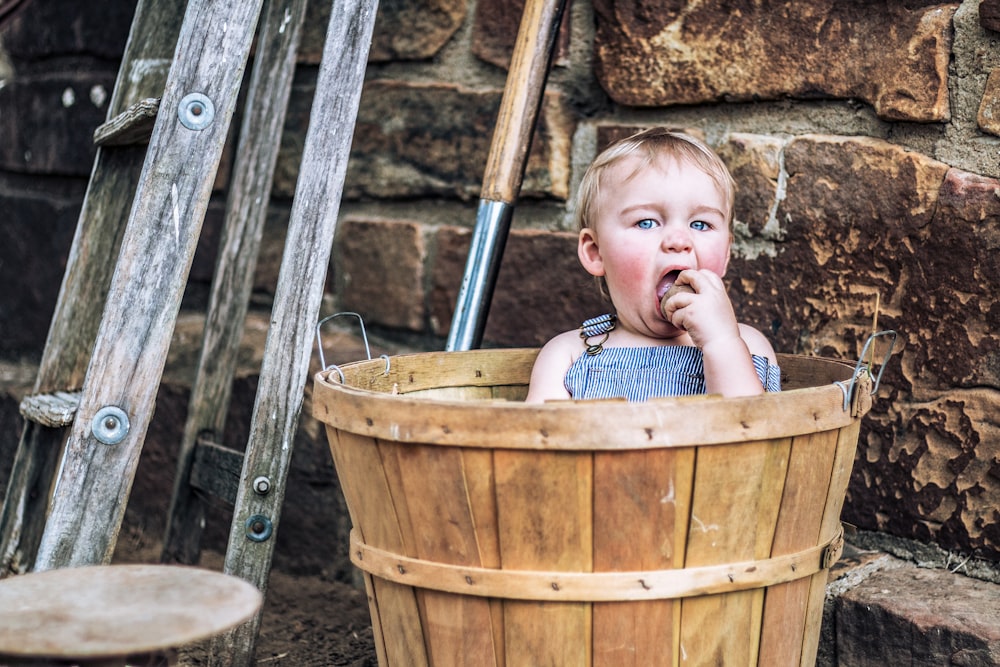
{"points": [[258, 528]]}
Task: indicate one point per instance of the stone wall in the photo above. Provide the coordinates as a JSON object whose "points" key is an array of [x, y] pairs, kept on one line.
{"points": [[863, 136]]}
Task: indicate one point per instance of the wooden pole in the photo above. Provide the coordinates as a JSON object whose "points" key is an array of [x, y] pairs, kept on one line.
{"points": [[522, 98]]}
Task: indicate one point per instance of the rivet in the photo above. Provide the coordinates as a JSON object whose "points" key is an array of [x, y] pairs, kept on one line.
{"points": [[196, 111], [110, 425], [258, 528]]}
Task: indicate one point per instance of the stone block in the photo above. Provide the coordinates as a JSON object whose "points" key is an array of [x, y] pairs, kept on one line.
{"points": [[57, 115], [913, 616], [37, 231], [755, 163], [894, 56], [101, 31], [859, 217], [495, 27], [429, 140], [412, 30], [541, 291], [989, 14], [988, 116], [380, 271]]}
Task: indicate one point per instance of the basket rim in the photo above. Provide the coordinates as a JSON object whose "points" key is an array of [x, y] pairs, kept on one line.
{"points": [[611, 424]]}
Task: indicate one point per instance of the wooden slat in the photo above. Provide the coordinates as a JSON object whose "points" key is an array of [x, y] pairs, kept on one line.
{"points": [[641, 506], [843, 462], [77, 313], [737, 492], [95, 480], [798, 527], [374, 514], [216, 470], [132, 126], [53, 410], [493, 367], [481, 487], [457, 628], [545, 506], [415, 372], [299, 290], [404, 608], [457, 393], [581, 425], [239, 244]]}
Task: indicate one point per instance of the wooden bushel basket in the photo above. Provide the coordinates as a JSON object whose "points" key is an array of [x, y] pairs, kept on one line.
{"points": [[682, 531]]}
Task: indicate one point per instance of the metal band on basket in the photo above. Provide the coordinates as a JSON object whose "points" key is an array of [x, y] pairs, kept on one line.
{"points": [[595, 586]]}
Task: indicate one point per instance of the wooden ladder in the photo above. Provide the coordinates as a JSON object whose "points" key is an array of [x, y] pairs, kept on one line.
{"points": [[157, 159]]}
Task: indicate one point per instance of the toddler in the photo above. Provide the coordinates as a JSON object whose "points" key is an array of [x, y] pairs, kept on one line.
{"points": [[655, 211]]}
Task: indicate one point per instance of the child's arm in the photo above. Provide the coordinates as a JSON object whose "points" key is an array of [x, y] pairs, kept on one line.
{"points": [[549, 372], [707, 316], [729, 370]]}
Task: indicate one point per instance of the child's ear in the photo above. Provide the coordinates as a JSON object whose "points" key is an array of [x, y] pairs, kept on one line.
{"points": [[589, 252]]}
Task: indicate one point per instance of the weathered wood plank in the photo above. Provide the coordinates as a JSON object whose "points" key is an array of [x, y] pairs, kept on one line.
{"points": [[132, 126], [300, 290], [77, 313], [216, 470], [95, 478], [239, 245]]}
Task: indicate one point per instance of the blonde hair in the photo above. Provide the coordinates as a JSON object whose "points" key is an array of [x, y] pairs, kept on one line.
{"points": [[649, 146]]}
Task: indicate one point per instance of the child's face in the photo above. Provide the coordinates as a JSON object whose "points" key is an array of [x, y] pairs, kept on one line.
{"points": [[648, 226]]}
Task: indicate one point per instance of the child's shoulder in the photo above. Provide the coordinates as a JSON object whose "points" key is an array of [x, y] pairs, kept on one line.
{"points": [[568, 342], [553, 360], [757, 343]]}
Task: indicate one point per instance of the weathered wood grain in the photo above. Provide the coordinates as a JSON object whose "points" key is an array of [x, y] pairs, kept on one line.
{"points": [[239, 244], [129, 353], [81, 300], [529, 68], [299, 291]]}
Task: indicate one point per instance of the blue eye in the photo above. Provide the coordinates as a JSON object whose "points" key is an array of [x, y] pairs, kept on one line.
{"points": [[700, 225], [646, 224]]}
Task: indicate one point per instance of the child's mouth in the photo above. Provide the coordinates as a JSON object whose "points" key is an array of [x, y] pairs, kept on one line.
{"points": [[666, 283]]}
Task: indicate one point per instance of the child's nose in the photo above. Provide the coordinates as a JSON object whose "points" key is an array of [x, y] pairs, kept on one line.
{"points": [[676, 238]]}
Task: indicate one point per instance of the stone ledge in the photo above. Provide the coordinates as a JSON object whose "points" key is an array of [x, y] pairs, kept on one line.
{"points": [[882, 610]]}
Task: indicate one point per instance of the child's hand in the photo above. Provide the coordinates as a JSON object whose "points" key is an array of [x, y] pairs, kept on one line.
{"points": [[698, 304]]}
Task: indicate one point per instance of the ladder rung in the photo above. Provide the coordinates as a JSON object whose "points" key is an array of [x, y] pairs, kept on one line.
{"points": [[132, 126], [53, 410], [216, 469]]}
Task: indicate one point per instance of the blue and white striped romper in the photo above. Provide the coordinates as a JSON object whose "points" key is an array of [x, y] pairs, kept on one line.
{"points": [[641, 373]]}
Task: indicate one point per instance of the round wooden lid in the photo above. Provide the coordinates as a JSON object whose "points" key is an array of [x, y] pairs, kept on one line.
{"points": [[116, 610]]}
